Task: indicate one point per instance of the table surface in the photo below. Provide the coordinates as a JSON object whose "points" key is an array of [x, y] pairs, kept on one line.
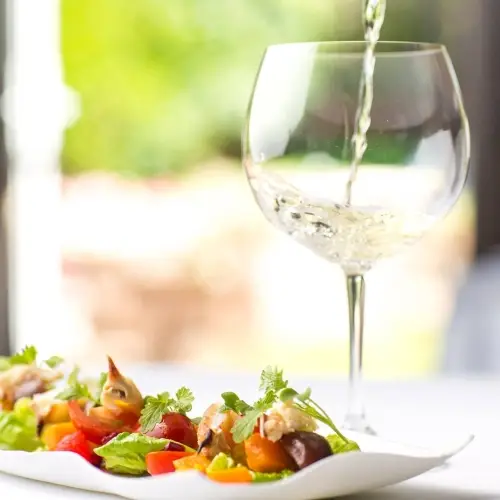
{"points": [[416, 412]]}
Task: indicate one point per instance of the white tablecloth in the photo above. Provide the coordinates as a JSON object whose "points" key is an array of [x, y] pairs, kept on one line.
{"points": [[412, 411]]}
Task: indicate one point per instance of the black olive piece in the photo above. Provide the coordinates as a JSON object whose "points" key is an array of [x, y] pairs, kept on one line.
{"points": [[206, 441], [305, 448]]}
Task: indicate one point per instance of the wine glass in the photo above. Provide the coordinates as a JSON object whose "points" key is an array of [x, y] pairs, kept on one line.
{"points": [[300, 143]]}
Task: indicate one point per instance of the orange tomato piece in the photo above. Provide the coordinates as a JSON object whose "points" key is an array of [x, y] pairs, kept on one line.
{"points": [[263, 455], [196, 462], [236, 475], [53, 433]]}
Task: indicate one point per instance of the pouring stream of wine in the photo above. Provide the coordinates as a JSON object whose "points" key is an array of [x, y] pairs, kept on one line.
{"points": [[373, 19]]}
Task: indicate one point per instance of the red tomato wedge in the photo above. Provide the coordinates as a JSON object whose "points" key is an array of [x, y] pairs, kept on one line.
{"points": [[162, 462], [93, 428], [77, 443]]}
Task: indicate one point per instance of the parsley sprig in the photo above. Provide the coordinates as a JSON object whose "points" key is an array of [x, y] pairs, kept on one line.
{"points": [[275, 389], [54, 361], [156, 406], [27, 356], [75, 389]]}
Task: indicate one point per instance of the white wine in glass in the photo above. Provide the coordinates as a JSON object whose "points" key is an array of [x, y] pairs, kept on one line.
{"points": [[356, 168]]}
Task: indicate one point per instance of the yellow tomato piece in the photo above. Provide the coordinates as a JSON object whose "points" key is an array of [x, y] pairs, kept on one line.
{"points": [[58, 413], [236, 475], [53, 433], [196, 462]]}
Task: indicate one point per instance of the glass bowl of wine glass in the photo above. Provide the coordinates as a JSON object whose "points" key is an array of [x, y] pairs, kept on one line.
{"points": [[356, 158]]}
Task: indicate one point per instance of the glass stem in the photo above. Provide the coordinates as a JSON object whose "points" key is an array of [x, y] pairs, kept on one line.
{"points": [[355, 419]]}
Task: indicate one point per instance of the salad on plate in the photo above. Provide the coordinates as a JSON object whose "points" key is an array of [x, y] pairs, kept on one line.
{"points": [[114, 427]]}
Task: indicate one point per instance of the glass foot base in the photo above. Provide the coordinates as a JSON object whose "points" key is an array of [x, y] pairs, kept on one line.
{"points": [[358, 423]]}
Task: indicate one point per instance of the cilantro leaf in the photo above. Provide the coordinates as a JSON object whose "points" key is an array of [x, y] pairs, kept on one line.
{"points": [[234, 403], [305, 396], [153, 411], [26, 357], [54, 361], [266, 401], [305, 403], [271, 382], [156, 407], [244, 426], [73, 376], [288, 394], [126, 453], [184, 403], [271, 379], [338, 445], [75, 389], [196, 420]]}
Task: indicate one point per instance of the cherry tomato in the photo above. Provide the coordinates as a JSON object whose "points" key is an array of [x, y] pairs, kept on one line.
{"points": [[176, 427], [93, 428], [78, 443], [162, 462]]}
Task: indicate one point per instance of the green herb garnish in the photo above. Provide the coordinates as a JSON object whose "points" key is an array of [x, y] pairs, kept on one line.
{"points": [[26, 357], [303, 402], [234, 403], [275, 388], [75, 389], [271, 379], [103, 377], [156, 407], [54, 361], [271, 382]]}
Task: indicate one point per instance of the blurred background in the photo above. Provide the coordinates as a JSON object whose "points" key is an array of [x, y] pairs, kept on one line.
{"points": [[128, 225]]}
